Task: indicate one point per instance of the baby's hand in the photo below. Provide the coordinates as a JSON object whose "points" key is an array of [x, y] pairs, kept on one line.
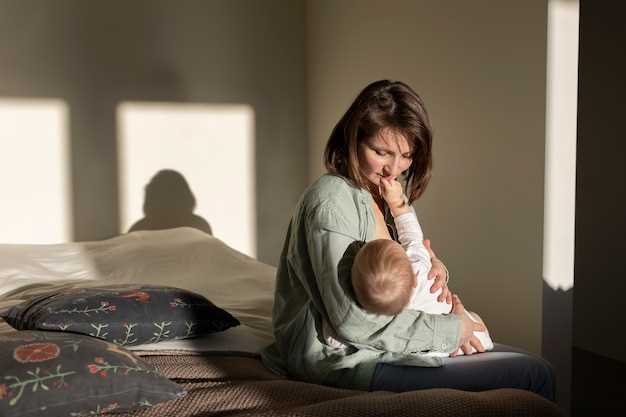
{"points": [[391, 191]]}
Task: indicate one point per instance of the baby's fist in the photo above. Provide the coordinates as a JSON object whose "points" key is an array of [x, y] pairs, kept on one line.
{"points": [[391, 191]]}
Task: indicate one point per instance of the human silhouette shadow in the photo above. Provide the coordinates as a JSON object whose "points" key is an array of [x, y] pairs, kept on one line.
{"points": [[169, 203]]}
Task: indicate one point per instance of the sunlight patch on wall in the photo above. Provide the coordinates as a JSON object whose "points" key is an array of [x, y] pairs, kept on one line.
{"points": [[34, 171], [208, 147], [560, 168]]}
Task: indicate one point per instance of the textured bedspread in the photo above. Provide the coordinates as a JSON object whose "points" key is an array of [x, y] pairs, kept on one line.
{"points": [[241, 386], [226, 384]]}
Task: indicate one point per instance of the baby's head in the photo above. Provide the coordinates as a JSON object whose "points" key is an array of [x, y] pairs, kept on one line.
{"points": [[382, 277]]}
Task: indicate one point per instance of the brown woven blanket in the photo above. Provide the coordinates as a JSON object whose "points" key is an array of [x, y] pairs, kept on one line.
{"points": [[241, 386]]}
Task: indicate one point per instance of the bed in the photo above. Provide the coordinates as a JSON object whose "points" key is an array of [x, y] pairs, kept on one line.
{"points": [[221, 372]]}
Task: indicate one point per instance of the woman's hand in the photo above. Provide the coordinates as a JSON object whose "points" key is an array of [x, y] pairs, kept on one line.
{"points": [[439, 273], [469, 343]]}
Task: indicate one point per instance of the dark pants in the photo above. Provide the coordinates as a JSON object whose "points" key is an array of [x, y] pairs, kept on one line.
{"points": [[504, 367]]}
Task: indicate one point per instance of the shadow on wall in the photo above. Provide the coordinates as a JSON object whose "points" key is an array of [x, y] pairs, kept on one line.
{"points": [[557, 340], [169, 203], [96, 55]]}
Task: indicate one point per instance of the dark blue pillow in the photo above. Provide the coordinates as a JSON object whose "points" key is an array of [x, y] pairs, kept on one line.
{"points": [[128, 315], [61, 374]]}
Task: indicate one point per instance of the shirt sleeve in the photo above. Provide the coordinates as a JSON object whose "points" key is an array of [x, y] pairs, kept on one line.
{"points": [[411, 238], [331, 230]]}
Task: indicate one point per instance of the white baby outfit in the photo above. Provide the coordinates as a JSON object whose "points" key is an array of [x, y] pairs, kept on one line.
{"points": [[411, 237]]}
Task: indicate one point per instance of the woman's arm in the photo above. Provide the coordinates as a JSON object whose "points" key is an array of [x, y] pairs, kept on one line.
{"points": [[330, 231]]}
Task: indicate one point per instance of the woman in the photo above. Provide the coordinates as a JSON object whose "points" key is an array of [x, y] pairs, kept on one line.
{"points": [[384, 134]]}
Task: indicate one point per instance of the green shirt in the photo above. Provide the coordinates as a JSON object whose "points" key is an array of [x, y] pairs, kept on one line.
{"points": [[313, 285]]}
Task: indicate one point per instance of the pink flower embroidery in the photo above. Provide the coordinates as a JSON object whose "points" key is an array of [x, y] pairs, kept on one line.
{"points": [[141, 296], [36, 352]]}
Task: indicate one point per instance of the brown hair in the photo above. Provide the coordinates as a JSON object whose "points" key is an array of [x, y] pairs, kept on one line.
{"points": [[382, 277], [383, 105]]}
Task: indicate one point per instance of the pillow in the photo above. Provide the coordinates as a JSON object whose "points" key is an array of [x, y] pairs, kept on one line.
{"points": [[62, 374], [192, 259], [124, 314]]}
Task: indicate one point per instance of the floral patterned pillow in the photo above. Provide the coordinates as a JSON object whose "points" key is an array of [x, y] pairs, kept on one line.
{"points": [[128, 315], [62, 374]]}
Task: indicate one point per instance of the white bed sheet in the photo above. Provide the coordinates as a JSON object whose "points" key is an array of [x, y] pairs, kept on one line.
{"points": [[183, 257]]}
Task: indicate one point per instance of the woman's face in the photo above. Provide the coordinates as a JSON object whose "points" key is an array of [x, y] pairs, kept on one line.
{"points": [[387, 154]]}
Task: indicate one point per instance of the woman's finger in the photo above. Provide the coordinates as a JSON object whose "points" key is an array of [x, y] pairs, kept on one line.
{"points": [[441, 296], [440, 283], [435, 271], [466, 348], [449, 297], [456, 299], [458, 308], [445, 292], [432, 273], [479, 327], [436, 285], [475, 343]]}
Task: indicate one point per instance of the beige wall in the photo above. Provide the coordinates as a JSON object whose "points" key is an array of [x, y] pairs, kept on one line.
{"points": [[599, 269], [94, 55], [480, 66]]}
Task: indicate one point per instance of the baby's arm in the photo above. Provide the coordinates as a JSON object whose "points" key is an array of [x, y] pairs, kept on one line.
{"points": [[410, 233], [411, 238], [391, 191]]}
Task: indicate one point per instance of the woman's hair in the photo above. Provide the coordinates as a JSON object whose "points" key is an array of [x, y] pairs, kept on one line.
{"points": [[383, 105], [382, 277]]}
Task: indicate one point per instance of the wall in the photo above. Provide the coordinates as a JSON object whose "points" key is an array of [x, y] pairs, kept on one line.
{"points": [[560, 191], [599, 344], [480, 67], [94, 55], [600, 191]]}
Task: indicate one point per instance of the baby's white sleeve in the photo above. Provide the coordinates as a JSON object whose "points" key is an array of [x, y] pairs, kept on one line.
{"points": [[411, 238]]}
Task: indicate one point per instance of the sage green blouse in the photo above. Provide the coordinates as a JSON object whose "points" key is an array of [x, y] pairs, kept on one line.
{"points": [[313, 285]]}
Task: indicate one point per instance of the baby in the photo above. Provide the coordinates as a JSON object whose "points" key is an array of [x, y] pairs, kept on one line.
{"points": [[388, 277]]}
